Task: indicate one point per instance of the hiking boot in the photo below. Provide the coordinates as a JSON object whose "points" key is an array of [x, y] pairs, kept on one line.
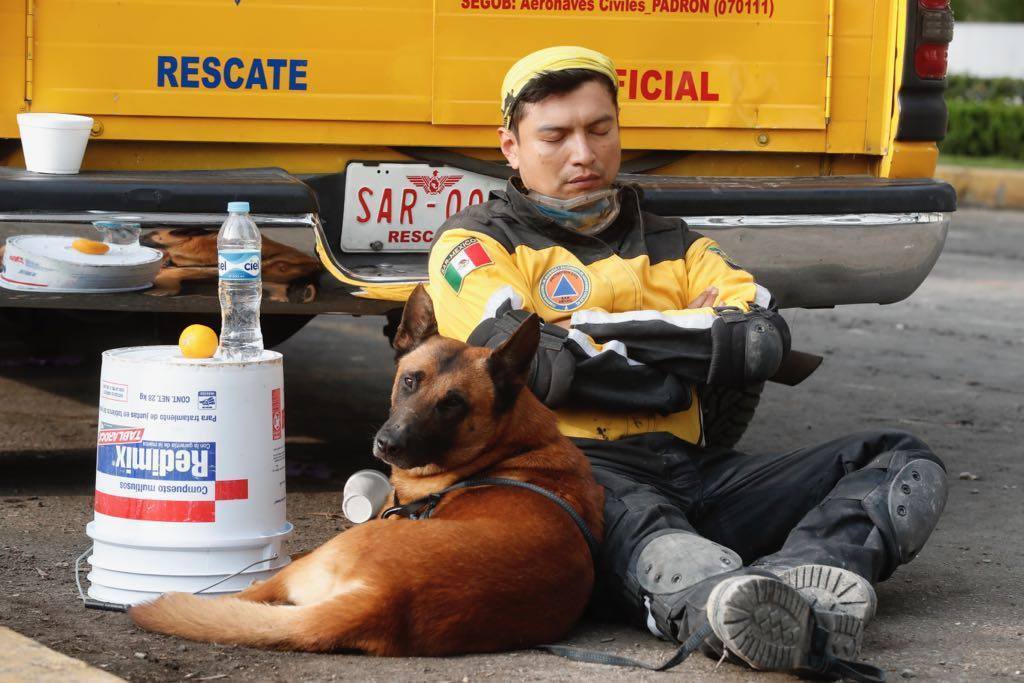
{"points": [[771, 627], [832, 589]]}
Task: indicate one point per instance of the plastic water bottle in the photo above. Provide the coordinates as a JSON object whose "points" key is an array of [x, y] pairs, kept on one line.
{"points": [[241, 288]]}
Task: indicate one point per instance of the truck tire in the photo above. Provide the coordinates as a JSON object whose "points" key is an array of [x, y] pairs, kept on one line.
{"points": [[727, 412]]}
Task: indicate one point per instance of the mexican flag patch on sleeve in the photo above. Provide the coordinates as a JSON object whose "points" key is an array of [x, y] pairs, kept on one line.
{"points": [[725, 257], [467, 256]]}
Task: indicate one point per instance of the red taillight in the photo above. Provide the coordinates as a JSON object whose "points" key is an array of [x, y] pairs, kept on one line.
{"points": [[933, 33], [930, 60]]}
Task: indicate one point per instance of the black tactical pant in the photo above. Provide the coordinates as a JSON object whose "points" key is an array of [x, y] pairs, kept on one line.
{"points": [[770, 509]]}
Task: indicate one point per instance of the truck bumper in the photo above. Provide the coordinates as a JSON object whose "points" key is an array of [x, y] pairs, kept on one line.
{"points": [[814, 242], [805, 261], [817, 261]]}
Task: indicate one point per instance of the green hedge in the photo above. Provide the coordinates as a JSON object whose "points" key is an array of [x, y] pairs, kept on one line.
{"points": [[976, 89], [988, 10], [982, 129]]}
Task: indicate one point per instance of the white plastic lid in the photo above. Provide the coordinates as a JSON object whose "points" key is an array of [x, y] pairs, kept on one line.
{"points": [[63, 121], [58, 247], [238, 207], [168, 354]]}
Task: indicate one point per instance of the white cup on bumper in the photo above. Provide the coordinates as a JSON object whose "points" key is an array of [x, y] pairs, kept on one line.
{"points": [[54, 143]]}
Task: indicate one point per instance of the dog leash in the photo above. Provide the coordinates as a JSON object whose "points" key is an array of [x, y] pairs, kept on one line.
{"points": [[825, 665], [423, 508], [821, 664], [594, 657]]}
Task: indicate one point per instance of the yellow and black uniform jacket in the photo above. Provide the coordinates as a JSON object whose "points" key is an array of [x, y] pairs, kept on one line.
{"points": [[634, 354]]}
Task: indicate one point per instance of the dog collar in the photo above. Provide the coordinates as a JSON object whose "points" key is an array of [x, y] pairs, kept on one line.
{"points": [[422, 508]]}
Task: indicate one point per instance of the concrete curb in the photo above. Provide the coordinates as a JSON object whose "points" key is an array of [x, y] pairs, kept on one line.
{"points": [[991, 188], [26, 660]]}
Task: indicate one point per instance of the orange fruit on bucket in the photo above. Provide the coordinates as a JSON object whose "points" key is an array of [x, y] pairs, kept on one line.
{"points": [[90, 246], [197, 341]]}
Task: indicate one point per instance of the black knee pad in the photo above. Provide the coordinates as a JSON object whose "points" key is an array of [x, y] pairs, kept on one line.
{"points": [[747, 348], [904, 493], [912, 499]]}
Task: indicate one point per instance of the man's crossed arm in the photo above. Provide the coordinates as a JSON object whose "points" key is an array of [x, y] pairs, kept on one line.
{"points": [[628, 361]]}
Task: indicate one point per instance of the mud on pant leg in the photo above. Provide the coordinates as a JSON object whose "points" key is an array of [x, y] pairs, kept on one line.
{"points": [[879, 514], [654, 568]]}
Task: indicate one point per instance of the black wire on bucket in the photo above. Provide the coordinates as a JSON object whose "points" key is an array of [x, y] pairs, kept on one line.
{"points": [[91, 603]]}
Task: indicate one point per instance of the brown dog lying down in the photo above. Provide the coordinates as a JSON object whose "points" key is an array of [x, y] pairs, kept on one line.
{"points": [[493, 568], [192, 253]]}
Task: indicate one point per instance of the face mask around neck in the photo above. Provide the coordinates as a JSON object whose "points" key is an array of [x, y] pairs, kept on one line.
{"points": [[588, 214]]}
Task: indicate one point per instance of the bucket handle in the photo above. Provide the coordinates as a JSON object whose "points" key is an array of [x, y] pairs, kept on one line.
{"points": [[91, 603]]}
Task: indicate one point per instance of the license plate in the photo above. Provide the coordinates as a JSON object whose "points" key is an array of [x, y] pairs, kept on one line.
{"points": [[398, 207]]}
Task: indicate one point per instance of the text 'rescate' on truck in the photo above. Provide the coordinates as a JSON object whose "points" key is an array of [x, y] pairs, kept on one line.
{"points": [[800, 134]]}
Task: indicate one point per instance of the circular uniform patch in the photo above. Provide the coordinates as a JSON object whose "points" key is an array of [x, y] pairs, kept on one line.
{"points": [[564, 288]]}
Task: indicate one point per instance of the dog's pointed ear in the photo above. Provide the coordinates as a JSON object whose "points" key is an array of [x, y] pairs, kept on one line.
{"points": [[510, 362], [418, 322]]}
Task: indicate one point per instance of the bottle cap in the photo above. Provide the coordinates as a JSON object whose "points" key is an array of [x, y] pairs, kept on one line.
{"points": [[238, 207]]}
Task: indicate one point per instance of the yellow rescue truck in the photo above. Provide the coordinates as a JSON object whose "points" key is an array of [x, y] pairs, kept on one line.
{"points": [[801, 134]]}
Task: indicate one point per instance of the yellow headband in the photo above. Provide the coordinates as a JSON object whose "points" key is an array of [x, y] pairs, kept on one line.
{"points": [[550, 59]]}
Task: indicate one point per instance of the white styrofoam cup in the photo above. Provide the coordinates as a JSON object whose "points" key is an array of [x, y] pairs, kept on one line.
{"points": [[365, 493], [54, 143]]}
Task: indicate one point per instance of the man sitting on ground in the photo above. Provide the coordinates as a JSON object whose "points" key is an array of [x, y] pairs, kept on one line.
{"points": [[777, 554]]}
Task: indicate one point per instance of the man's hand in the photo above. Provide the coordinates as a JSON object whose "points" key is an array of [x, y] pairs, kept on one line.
{"points": [[564, 324], [706, 298]]}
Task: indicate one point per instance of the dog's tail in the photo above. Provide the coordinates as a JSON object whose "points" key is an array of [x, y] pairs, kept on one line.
{"points": [[232, 621]]}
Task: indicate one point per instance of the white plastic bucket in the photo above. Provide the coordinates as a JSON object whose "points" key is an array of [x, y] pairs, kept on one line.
{"points": [[48, 263], [190, 474], [54, 143]]}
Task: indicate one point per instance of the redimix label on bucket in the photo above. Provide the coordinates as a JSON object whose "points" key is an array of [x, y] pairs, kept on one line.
{"points": [[177, 443], [190, 474], [166, 481]]}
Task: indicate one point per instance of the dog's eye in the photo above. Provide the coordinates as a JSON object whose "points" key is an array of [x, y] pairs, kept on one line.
{"points": [[409, 381]]}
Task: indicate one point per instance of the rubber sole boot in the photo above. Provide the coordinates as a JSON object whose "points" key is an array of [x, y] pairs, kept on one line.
{"points": [[769, 625], [833, 589]]}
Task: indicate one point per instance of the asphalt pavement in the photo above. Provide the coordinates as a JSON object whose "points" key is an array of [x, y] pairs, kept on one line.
{"points": [[946, 364]]}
